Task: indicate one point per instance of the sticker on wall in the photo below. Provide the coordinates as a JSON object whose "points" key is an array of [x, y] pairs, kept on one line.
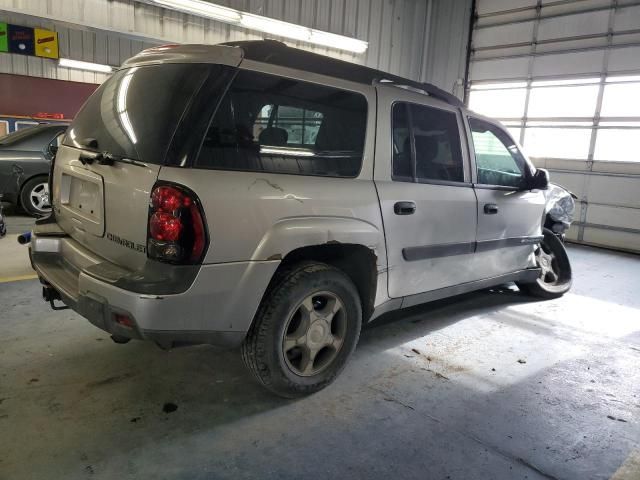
{"points": [[20, 40], [46, 43], [4, 44]]}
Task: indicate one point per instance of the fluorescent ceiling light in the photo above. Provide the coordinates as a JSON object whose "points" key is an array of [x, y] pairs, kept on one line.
{"points": [[203, 9], [275, 27], [338, 41], [264, 24], [77, 64]]}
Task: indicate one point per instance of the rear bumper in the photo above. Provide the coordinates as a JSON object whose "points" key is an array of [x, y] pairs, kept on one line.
{"points": [[217, 307]]}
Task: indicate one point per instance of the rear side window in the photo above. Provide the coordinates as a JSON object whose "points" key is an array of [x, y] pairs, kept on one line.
{"points": [[272, 124], [134, 114], [426, 144]]}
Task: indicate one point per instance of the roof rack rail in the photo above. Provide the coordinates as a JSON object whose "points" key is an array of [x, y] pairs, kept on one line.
{"points": [[427, 88], [278, 53]]}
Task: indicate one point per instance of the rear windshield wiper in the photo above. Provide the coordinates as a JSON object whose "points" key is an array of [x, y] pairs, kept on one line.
{"points": [[103, 158], [106, 158]]}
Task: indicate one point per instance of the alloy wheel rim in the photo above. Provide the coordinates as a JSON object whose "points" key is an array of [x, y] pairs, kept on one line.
{"points": [[314, 334], [548, 263], [39, 197]]}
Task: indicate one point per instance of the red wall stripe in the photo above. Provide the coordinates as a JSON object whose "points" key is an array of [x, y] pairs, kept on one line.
{"points": [[21, 95]]}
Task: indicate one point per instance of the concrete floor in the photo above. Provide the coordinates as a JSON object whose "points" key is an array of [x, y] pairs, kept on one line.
{"points": [[486, 386], [12, 255]]}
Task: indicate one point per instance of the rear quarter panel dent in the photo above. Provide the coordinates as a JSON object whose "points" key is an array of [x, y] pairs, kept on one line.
{"points": [[291, 233], [258, 216]]}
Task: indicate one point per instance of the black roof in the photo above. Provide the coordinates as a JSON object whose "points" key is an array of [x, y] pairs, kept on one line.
{"points": [[277, 53]]}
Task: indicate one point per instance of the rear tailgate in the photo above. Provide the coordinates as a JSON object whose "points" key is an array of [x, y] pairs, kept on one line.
{"points": [[134, 120], [140, 119], [104, 207]]}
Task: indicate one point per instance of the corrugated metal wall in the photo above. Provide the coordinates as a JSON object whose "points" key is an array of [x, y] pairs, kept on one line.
{"points": [[569, 45], [420, 39], [85, 45]]}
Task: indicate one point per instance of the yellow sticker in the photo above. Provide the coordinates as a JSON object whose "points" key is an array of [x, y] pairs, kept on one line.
{"points": [[46, 43]]}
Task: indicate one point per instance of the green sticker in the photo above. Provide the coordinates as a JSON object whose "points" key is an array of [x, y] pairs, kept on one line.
{"points": [[4, 47]]}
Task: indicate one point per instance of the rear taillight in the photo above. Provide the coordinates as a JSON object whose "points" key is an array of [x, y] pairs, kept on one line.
{"points": [[176, 232]]}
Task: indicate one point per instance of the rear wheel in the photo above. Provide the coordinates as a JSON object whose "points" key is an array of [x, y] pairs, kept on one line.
{"points": [[555, 269], [34, 197], [306, 328]]}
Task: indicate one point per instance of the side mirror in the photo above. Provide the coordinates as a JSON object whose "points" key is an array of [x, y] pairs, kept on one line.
{"points": [[540, 180], [52, 149]]}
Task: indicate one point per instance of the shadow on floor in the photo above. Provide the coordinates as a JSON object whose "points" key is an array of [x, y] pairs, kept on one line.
{"points": [[435, 391]]}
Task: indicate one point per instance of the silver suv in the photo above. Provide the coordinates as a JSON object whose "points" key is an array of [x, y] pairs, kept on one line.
{"points": [[258, 195]]}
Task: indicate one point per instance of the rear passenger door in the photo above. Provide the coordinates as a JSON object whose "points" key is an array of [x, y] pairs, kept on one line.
{"points": [[509, 215], [426, 196]]}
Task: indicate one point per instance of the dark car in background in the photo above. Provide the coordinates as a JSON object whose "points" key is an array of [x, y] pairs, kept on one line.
{"points": [[25, 159]]}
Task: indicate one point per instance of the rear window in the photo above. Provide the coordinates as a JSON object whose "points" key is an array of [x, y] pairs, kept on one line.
{"points": [[134, 114], [273, 124]]}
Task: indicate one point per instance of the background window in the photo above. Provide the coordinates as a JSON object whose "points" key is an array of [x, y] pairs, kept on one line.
{"points": [[557, 142], [621, 100], [504, 103], [558, 108], [279, 125], [498, 160], [563, 101], [622, 145]]}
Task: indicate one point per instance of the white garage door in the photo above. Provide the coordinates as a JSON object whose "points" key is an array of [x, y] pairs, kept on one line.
{"points": [[564, 77]]}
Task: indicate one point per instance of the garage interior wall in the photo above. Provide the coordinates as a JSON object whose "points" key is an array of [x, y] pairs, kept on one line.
{"points": [[564, 77], [418, 39]]}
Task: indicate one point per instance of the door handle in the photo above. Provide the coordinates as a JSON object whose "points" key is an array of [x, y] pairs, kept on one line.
{"points": [[404, 208], [491, 208]]}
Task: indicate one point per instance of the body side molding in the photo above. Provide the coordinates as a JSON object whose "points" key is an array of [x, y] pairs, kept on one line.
{"points": [[411, 254]]}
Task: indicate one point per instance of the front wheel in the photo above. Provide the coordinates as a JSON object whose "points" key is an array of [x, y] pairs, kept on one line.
{"points": [[34, 197], [306, 329], [555, 270]]}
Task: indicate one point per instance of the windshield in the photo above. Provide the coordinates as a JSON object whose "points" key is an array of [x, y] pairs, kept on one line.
{"points": [[37, 135], [134, 114]]}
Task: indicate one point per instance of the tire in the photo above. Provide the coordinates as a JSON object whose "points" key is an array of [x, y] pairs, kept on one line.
{"points": [[555, 276], [34, 196], [294, 320]]}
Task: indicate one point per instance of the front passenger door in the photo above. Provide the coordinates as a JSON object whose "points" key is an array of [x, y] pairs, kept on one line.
{"points": [[509, 216]]}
